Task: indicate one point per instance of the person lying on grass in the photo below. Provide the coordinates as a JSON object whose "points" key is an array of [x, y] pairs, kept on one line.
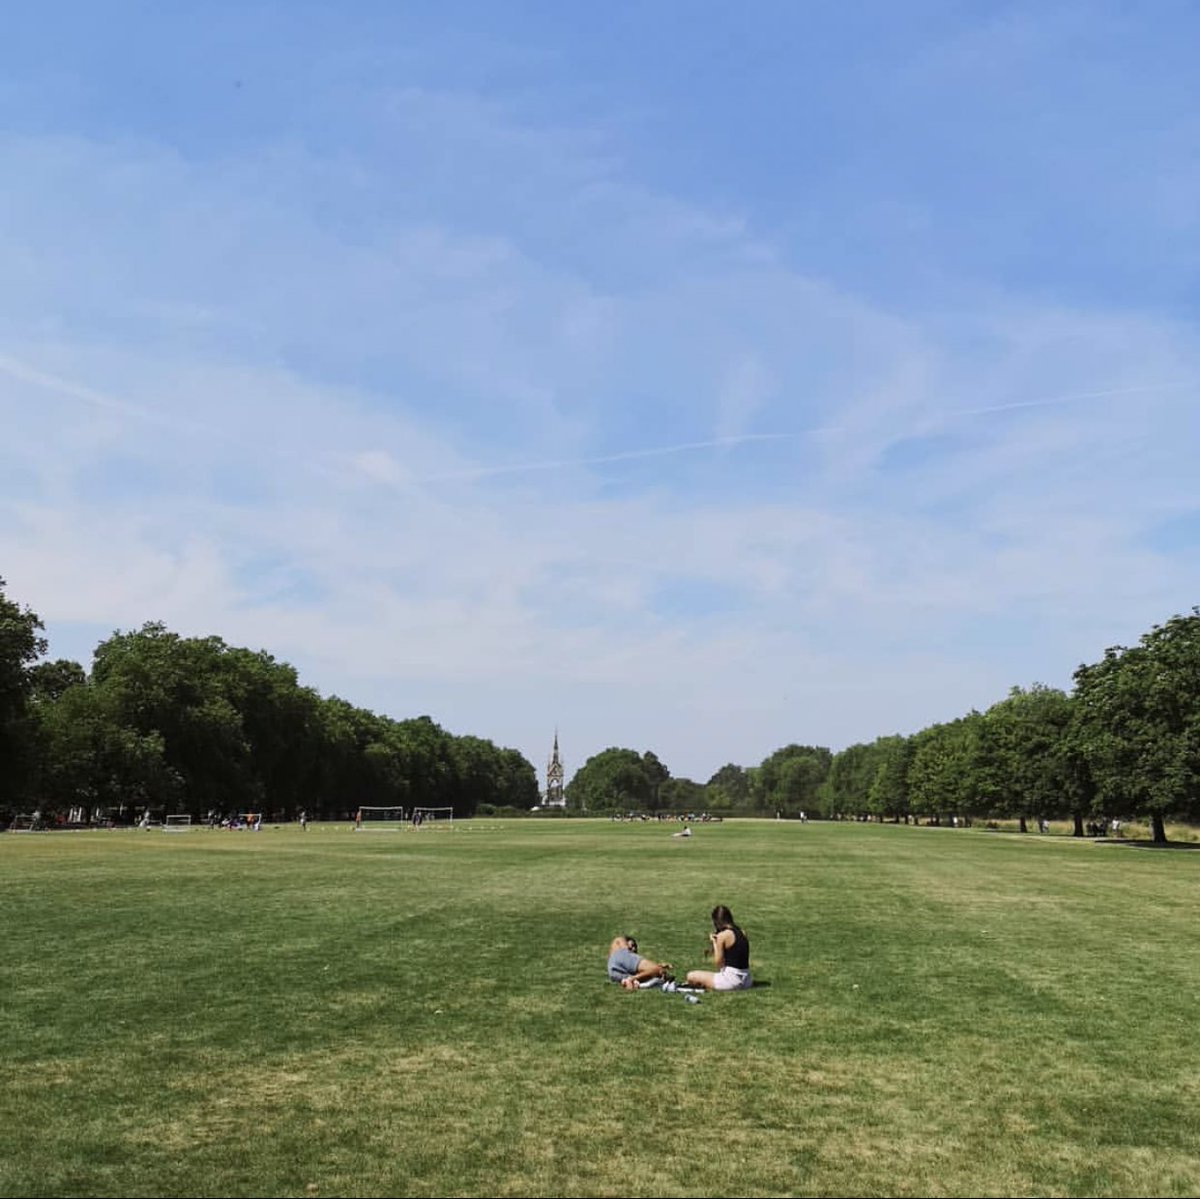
{"points": [[627, 967], [730, 949]]}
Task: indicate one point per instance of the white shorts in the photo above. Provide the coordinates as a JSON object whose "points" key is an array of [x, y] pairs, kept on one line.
{"points": [[731, 979]]}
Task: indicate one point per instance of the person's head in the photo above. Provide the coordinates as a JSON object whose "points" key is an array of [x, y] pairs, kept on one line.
{"points": [[722, 917]]}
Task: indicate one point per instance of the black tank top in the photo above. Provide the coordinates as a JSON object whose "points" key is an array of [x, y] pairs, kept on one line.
{"points": [[738, 954]]}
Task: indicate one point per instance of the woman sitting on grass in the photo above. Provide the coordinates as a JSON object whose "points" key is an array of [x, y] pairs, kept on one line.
{"points": [[730, 948]]}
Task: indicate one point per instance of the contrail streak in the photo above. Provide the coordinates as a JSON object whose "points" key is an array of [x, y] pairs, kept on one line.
{"points": [[26, 374], [1068, 399], [624, 456], [663, 451], [57, 385], [97, 399]]}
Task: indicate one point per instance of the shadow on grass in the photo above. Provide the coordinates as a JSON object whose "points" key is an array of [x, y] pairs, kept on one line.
{"points": [[1134, 844]]}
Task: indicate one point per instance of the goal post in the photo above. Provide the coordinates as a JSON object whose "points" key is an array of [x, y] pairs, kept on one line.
{"points": [[379, 820], [443, 817], [26, 822], [176, 822]]}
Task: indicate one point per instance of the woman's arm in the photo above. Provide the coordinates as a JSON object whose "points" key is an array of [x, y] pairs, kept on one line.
{"points": [[720, 942]]}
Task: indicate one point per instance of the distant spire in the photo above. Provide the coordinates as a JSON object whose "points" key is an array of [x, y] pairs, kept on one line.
{"points": [[554, 779]]}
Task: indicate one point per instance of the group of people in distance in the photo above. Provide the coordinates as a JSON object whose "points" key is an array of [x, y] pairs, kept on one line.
{"points": [[728, 945]]}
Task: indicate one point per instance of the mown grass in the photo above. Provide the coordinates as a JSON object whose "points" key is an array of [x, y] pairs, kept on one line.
{"points": [[946, 1013]]}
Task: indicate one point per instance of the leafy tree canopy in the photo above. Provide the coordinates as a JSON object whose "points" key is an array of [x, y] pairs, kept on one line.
{"points": [[615, 780], [1139, 723]]}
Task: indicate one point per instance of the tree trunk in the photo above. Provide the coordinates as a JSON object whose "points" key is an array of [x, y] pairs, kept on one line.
{"points": [[1160, 832], [1023, 828], [1078, 825]]}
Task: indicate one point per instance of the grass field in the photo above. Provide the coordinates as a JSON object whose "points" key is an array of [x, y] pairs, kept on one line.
{"points": [[424, 1013]]}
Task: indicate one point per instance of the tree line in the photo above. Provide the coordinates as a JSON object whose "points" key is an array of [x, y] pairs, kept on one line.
{"points": [[1124, 743], [193, 725]]}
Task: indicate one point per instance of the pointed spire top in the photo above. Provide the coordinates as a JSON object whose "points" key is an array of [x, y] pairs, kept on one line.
{"points": [[554, 778]]}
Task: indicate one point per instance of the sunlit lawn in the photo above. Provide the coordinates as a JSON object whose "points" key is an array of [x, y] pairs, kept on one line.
{"points": [[424, 1013]]}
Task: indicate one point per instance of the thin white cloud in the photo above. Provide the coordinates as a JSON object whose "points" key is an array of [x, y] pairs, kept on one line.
{"points": [[662, 451], [933, 418], [745, 390], [1076, 397], [377, 455]]}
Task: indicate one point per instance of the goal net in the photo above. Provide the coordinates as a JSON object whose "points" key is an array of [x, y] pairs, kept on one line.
{"points": [[443, 817], [379, 820], [177, 823], [26, 822]]}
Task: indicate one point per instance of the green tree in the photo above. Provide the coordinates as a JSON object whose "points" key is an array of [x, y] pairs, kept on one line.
{"points": [[516, 783], [729, 788], [426, 763], [848, 787], [789, 781], [656, 775], [279, 724], [197, 724], [21, 644], [1025, 739], [682, 795], [1139, 726], [178, 688], [487, 774], [49, 681], [611, 781], [942, 775], [888, 793], [1079, 785], [92, 757]]}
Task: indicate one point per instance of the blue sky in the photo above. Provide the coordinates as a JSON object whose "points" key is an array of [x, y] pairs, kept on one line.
{"points": [[684, 377]]}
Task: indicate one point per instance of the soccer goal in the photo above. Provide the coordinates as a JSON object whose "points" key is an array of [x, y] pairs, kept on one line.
{"points": [[443, 817], [26, 822], [379, 820], [178, 822]]}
